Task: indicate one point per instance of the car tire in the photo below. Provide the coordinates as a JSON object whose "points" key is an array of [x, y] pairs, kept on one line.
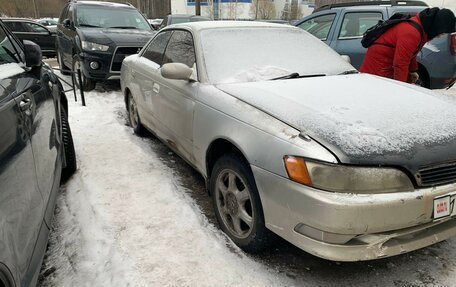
{"points": [[62, 66], [133, 116], [87, 84], [237, 204], [68, 146]]}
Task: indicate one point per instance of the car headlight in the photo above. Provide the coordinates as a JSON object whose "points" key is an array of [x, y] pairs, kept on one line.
{"points": [[90, 46], [346, 179]]}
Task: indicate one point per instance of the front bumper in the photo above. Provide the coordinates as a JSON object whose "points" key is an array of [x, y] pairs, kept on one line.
{"points": [[350, 227], [104, 72]]}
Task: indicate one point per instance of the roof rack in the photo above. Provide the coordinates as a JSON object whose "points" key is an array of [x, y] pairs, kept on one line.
{"points": [[370, 3]]}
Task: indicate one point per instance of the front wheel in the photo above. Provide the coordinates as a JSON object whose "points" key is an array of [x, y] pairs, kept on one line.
{"points": [[133, 116], [237, 204], [68, 146], [87, 84], [63, 69]]}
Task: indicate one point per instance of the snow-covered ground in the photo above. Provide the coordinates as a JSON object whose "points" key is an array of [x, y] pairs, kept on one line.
{"points": [[126, 219]]}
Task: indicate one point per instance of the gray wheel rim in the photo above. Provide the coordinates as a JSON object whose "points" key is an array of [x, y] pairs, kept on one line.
{"points": [[234, 203], [133, 111]]}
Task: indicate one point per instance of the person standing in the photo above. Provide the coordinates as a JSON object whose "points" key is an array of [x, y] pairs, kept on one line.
{"points": [[393, 55]]}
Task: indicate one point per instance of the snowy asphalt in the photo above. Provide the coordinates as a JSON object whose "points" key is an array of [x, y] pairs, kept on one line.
{"points": [[135, 214]]}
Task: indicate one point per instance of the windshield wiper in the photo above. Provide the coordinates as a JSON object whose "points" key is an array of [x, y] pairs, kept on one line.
{"points": [[296, 75], [349, 72], [123, 27], [88, 25]]}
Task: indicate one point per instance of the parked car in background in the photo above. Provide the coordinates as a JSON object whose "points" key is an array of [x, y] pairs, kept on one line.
{"points": [[95, 37], [341, 26], [36, 152], [155, 23], [182, 18], [51, 24], [26, 29], [339, 163]]}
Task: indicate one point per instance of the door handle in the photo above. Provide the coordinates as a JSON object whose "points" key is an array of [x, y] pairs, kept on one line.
{"points": [[156, 88], [25, 105]]}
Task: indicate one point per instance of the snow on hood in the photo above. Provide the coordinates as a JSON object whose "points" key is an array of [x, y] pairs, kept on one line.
{"points": [[258, 74], [361, 115]]}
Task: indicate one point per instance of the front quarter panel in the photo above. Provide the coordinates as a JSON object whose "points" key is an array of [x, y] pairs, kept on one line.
{"points": [[262, 139]]}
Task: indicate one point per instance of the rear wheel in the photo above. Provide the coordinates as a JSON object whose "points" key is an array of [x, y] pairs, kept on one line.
{"points": [[87, 84], [237, 204], [68, 146], [424, 80], [63, 69], [133, 116]]}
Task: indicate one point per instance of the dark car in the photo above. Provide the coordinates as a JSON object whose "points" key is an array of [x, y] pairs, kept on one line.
{"points": [[95, 37], [36, 153], [341, 26], [26, 29], [51, 24], [182, 18]]}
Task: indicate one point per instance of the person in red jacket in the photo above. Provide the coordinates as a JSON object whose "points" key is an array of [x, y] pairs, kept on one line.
{"points": [[393, 55]]}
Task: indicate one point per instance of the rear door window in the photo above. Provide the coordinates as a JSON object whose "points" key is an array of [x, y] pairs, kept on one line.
{"points": [[355, 24], [34, 28], [319, 26], [16, 26]]}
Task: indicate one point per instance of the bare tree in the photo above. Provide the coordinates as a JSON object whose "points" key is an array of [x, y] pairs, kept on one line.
{"points": [[292, 11], [263, 9], [231, 7]]}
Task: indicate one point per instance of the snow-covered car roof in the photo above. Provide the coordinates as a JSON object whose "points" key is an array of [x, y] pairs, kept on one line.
{"points": [[203, 25]]}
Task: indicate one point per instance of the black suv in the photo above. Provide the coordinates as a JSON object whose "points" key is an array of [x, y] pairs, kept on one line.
{"points": [[36, 151], [95, 37]]}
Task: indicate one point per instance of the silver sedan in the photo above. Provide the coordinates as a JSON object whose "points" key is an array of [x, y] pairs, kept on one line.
{"points": [[292, 140]]}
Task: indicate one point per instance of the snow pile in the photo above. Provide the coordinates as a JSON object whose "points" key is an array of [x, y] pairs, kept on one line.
{"points": [[124, 219], [258, 74]]}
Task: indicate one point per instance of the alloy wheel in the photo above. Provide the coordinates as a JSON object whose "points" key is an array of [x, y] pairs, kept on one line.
{"points": [[234, 203]]}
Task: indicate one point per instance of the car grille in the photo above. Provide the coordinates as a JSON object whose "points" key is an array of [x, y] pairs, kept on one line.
{"points": [[437, 175], [119, 56]]}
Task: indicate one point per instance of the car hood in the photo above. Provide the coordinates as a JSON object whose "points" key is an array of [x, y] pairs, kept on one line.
{"points": [[116, 37], [361, 118]]}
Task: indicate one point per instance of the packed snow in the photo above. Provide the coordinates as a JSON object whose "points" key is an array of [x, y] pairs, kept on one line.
{"points": [[124, 219]]}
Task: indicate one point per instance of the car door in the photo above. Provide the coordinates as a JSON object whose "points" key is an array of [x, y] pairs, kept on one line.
{"points": [[321, 26], [350, 31], [41, 36], [145, 76], [175, 99], [65, 37], [21, 203]]}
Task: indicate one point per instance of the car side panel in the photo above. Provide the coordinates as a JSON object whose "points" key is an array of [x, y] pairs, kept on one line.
{"points": [[262, 139], [351, 46], [21, 203]]}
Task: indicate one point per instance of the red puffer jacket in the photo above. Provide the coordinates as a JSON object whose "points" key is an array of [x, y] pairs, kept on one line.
{"points": [[394, 54]]}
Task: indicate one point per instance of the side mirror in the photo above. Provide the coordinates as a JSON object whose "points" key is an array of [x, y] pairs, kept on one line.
{"points": [[176, 71], [67, 24], [346, 58], [33, 56]]}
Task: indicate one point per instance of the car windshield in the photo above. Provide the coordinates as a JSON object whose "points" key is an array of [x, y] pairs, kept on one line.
{"points": [[256, 54], [106, 17]]}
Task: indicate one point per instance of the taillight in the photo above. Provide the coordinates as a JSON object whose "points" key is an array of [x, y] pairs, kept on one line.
{"points": [[453, 44]]}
